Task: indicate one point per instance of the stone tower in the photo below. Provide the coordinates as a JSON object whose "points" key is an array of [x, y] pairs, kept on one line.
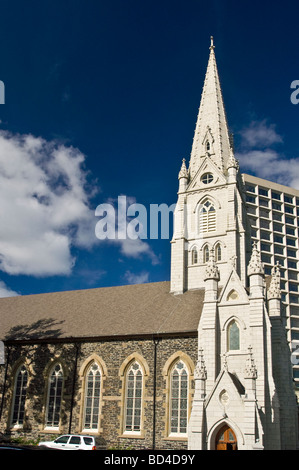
{"points": [[210, 214], [244, 396]]}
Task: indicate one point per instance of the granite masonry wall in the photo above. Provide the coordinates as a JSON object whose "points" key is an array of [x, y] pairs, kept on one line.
{"points": [[114, 356]]}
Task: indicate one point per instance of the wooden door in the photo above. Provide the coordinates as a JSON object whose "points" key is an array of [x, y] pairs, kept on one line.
{"points": [[226, 439]]}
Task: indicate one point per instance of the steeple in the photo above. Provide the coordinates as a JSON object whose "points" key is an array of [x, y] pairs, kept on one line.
{"points": [[211, 133]]}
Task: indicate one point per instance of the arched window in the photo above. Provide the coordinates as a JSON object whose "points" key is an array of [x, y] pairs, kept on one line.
{"points": [[133, 398], [54, 396], [18, 408], [92, 397], [207, 218], [218, 253], [194, 256], [178, 403], [208, 146], [206, 254], [233, 336]]}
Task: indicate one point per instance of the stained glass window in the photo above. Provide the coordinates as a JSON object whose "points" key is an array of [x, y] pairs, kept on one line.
{"points": [[54, 396], [92, 397], [19, 396], [134, 385], [179, 399], [233, 336]]}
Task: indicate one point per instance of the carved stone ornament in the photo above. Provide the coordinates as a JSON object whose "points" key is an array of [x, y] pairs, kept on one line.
{"points": [[183, 172], [255, 265], [200, 371], [250, 368], [274, 291], [212, 271], [224, 398], [232, 162]]}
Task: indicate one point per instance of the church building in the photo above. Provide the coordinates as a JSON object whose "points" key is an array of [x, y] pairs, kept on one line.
{"points": [[202, 362]]}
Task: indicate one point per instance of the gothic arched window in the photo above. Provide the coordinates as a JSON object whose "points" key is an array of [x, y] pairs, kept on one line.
{"points": [[207, 218], [194, 256], [133, 398], [233, 336], [55, 387], [218, 253], [18, 407], [92, 397], [206, 254], [178, 402]]}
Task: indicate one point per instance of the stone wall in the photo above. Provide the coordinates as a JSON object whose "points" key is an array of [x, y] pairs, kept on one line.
{"points": [[113, 356]]}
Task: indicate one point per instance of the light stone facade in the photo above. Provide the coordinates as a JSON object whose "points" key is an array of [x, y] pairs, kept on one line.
{"points": [[243, 378]]}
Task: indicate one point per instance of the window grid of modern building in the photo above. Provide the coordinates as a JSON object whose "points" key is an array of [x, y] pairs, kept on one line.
{"points": [[273, 211]]}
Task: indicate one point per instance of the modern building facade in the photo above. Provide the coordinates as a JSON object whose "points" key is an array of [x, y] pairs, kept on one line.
{"points": [[200, 362], [273, 211]]}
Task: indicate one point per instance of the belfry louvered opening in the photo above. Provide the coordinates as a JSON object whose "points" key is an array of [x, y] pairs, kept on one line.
{"points": [[207, 218]]}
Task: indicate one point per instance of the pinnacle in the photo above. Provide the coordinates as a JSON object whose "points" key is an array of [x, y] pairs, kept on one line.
{"points": [[183, 172], [211, 120], [255, 265]]}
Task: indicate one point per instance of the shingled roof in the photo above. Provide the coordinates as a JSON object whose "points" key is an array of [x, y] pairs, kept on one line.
{"points": [[133, 310]]}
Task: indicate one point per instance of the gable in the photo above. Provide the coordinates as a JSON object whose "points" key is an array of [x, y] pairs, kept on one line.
{"points": [[227, 390], [201, 178], [233, 291]]}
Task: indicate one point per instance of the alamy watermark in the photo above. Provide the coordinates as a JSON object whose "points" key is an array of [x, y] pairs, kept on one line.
{"points": [[133, 221], [2, 353], [2, 92], [295, 94]]}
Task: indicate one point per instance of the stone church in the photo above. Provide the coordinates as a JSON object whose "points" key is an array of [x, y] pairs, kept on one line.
{"points": [[201, 362]]}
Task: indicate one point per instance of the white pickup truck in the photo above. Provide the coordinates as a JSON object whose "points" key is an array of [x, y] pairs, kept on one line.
{"points": [[71, 442]]}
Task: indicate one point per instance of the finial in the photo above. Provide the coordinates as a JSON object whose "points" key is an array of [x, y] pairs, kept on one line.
{"points": [[232, 162], [255, 265], [274, 291], [200, 371], [250, 369], [212, 43], [183, 172], [212, 271]]}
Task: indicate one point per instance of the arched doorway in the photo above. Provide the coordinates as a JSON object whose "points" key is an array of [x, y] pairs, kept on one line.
{"points": [[226, 439]]}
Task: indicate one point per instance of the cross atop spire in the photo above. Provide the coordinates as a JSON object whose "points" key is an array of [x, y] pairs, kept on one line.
{"points": [[211, 133], [212, 43]]}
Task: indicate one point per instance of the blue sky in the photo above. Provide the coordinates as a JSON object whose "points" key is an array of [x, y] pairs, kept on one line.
{"points": [[101, 100]]}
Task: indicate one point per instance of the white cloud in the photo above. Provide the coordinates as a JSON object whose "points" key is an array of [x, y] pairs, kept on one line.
{"points": [[44, 208], [137, 248], [270, 165], [133, 278], [6, 291], [45, 211], [260, 134], [259, 158]]}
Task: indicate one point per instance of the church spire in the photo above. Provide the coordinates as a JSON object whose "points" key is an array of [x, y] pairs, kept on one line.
{"points": [[211, 133]]}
